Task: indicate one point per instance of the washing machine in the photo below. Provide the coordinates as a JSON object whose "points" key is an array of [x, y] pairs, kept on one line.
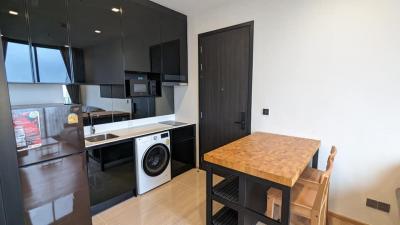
{"points": [[153, 161]]}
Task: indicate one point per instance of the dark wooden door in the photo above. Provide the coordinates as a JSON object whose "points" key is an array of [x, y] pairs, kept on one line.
{"points": [[225, 61]]}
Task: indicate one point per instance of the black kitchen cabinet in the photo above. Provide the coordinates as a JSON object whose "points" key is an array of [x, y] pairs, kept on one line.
{"points": [[141, 31], [49, 35], [112, 177], [91, 41], [174, 47], [143, 107], [56, 192], [14, 36], [96, 40], [112, 91], [183, 149]]}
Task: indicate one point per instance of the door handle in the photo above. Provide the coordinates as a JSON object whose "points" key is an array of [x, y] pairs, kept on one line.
{"points": [[242, 121]]}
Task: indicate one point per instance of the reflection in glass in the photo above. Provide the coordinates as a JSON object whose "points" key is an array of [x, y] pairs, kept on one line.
{"points": [[52, 211], [18, 64], [52, 65], [100, 110]]}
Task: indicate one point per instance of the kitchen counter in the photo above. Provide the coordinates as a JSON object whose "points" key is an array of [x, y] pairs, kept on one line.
{"points": [[273, 157], [128, 133]]}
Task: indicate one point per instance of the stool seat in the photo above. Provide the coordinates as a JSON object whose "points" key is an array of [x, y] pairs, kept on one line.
{"points": [[311, 174], [303, 197]]}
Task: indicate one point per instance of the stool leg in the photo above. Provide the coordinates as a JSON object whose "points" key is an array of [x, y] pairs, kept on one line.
{"points": [[270, 207]]}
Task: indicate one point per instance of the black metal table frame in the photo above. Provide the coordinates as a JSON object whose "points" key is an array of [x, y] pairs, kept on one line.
{"points": [[240, 206]]}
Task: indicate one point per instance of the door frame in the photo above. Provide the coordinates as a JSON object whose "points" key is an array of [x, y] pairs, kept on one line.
{"points": [[249, 24]]}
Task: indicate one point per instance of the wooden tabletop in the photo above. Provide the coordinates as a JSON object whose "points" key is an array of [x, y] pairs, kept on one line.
{"points": [[273, 157]]}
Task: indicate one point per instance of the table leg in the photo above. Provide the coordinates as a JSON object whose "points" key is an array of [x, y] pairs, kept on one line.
{"points": [[209, 184], [315, 160], [286, 199]]}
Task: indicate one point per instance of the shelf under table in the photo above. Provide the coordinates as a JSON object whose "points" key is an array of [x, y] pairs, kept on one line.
{"points": [[225, 216], [228, 189]]}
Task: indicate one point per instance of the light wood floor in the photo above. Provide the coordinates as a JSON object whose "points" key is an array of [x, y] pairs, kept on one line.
{"points": [[178, 202]]}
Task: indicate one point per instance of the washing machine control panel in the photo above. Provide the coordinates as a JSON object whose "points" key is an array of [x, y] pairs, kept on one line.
{"points": [[164, 135]]}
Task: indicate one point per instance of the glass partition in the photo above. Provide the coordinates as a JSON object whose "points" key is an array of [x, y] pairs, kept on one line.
{"points": [[100, 110]]}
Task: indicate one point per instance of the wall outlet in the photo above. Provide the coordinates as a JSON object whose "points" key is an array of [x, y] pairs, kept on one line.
{"points": [[382, 206]]}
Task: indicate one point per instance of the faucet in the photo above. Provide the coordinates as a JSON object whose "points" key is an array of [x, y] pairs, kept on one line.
{"points": [[92, 128]]}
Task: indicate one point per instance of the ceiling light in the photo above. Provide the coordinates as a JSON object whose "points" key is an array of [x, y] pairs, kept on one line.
{"points": [[115, 10], [14, 13], [97, 31], [67, 46]]}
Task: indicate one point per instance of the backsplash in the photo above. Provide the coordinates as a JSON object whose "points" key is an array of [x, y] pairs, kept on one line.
{"points": [[103, 128]]}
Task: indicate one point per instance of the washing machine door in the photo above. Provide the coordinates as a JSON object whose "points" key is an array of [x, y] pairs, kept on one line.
{"points": [[156, 160]]}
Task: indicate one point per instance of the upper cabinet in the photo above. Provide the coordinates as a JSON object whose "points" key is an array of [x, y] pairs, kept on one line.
{"points": [[92, 41], [96, 41], [49, 36], [174, 47], [141, 31], [15, 41]]}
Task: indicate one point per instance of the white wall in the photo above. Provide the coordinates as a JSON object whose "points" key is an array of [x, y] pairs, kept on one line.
{"points": [[24, 94], [328, 70]]}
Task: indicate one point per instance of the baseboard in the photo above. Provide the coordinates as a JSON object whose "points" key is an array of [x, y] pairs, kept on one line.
{"points": [[336, 219]]}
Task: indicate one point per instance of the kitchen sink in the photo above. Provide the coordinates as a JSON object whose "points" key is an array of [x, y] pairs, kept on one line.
{"points": [[101, 137]]}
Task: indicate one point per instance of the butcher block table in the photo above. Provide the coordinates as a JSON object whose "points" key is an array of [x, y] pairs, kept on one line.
{"points": [[252, 165]]}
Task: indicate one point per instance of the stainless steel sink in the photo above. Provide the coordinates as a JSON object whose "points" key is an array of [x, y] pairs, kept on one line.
{"points": [[101, 137]]}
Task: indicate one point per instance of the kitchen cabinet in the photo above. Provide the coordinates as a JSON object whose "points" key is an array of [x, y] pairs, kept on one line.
{"points": [[174, 47], [92, 42], [183, 149], [111, 171], [49, 36], [14, 37], [170, 57], [141, 31], [96, 41], [56, 191]]}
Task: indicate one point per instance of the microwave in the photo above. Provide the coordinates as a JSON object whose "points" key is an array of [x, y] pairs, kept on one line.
{"points": [[142, 88]]}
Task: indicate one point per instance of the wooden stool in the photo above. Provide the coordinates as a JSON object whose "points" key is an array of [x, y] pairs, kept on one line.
{"points": [[311, 174], [309, 197]]}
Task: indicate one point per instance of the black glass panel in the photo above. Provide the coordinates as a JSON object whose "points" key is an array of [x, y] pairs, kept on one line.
{"points": [[48, 28], [141, 32], [174, 47], [14, 36], [111, 172], [45, 132], [96, 40], [56, 192]]}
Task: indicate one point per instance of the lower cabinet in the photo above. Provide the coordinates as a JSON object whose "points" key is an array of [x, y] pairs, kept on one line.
{"points": [[183, 149], [56, 192], [111, 171]]}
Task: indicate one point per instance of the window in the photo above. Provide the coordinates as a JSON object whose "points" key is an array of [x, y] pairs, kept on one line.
{"points": [[51, 66], [18, 62], [51, 63], [67, 97]]}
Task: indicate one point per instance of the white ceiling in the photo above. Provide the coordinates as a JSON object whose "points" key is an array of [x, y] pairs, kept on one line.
{"points": [[191, 7]]}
